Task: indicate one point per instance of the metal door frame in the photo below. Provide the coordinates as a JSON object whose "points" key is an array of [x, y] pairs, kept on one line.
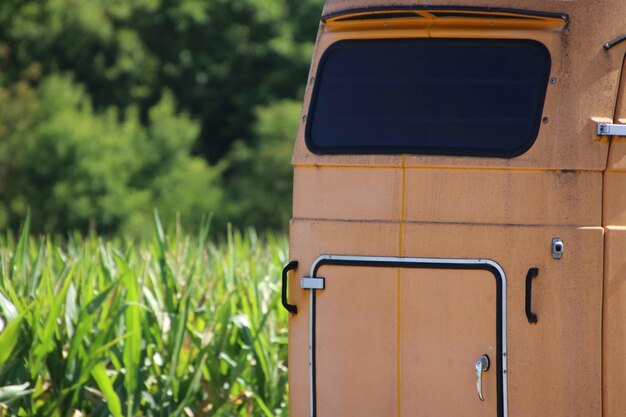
{"points": [[421, 263]]}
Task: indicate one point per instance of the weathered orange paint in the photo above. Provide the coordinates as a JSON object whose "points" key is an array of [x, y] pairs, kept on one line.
{"points": [[402, 342], [426, 342], [554, 365]]}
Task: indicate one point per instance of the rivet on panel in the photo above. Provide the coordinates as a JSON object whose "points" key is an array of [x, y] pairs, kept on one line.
{"points": [[304, 118], [311, 80], [552, 80], [545, 120]]}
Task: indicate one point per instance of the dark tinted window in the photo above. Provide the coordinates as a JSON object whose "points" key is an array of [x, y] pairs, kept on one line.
{"points": [[479, 97]]}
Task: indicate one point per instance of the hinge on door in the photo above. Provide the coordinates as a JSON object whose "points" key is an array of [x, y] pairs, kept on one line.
{"points": [[611, 129], [309, 283]]}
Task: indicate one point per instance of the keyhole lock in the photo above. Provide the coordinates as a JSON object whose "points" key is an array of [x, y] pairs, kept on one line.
{"points": [[557, 248]]}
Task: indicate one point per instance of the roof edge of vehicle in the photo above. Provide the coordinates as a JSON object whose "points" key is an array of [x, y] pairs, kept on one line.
{"points": [[375, 17]]}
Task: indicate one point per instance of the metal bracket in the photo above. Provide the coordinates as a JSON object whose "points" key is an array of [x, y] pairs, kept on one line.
{"points": [[309, 283], [611, 129]]}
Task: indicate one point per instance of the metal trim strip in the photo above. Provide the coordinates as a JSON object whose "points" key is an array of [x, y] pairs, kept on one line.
{"points": [[427, 8]]}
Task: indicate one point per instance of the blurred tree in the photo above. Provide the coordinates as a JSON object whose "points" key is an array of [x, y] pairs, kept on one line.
{"points": [[220, 58], [103, 102], [259, 185], [80, 169]]}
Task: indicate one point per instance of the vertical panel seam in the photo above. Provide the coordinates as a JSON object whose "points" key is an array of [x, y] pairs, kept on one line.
{"points": [[617, 109], [400, 250]]}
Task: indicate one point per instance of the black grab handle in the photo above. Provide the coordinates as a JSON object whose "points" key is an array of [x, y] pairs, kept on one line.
{"points": [[532, 273], [289, 307]]}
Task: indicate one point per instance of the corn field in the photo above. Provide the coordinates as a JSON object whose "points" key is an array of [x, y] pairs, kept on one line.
{"points": [[176, 326]]}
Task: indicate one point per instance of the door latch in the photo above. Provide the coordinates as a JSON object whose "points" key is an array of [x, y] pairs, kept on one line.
{"points": [[611, 129], [312, 283], [482, 365]]}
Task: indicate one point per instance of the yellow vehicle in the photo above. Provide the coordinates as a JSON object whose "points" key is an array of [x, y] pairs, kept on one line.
{"points": [[459, 212]]}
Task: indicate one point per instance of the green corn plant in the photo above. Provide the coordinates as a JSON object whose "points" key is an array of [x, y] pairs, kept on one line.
{"points": [[182, 325]]}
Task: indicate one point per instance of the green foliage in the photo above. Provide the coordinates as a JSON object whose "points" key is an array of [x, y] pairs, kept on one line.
{"points": [[80, 169], [108, 106], [221, 58], [177, 326], [259, 188]]}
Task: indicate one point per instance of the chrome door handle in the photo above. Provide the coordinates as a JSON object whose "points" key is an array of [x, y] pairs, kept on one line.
{"points": [[482, 365]]}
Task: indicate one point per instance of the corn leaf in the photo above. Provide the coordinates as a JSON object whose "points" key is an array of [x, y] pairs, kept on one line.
{"points": [[106, 387], [9, 338]]}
